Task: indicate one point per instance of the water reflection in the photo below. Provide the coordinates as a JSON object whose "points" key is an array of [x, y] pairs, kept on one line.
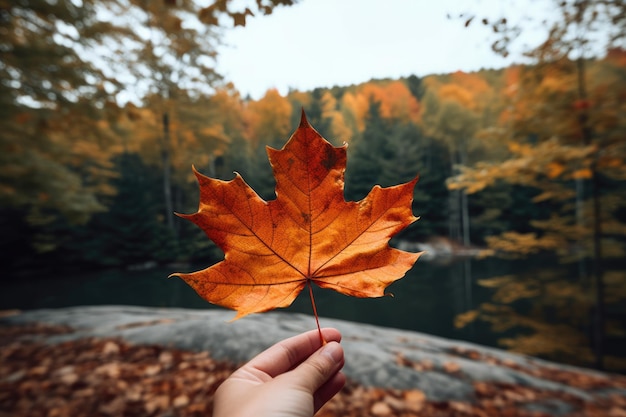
{"points": [[426, 300]]}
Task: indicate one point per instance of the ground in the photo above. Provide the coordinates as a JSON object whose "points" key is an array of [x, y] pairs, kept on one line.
{"points": [[110, 377]]}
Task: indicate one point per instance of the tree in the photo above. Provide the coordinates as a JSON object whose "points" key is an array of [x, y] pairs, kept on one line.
{"points": [[315, 113], [267, 123], [367, 154], [66, 69], [339, 131], [412, 154], [581, 27], [47, 104], [449, 115], [130, 232]]}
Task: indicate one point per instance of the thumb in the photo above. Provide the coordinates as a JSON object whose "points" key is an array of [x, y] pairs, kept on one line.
{"points": [[319, 367]]}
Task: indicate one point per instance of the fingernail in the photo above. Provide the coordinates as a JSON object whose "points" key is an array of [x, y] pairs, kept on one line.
{"points": [[333, 350]]}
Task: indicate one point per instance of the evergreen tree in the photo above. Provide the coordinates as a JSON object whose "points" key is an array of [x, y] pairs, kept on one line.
{"points": [[415, 86], [131, 231], [431, 193], [411, 156], [367, 155], [315, 116]]}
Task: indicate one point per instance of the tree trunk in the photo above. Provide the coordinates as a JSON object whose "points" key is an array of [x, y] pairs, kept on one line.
{"points": [[465, 219], [454, 197], [598, 273], [167, 174], [581, 251]]}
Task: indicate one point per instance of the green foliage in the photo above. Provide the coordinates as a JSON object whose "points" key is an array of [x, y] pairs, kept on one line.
{"points": [[431, 193], [415, 86], [314, 114], [368, 156], [130, 232], [561, 127], [503, 155]]}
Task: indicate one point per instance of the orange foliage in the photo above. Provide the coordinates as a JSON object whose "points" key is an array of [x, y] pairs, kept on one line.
{"points": [[402, 104], [472, 82], [307, 234], [396, 101], [268, 118], [453, 92]]}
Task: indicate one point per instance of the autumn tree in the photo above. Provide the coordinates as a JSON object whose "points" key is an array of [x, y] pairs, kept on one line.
{"points": [[267, 121], [368, 154], [65, 70], [451, 115], [225, 111], [50, 101], [315, 112], [557, 144], [331, 112], [136, 205]]}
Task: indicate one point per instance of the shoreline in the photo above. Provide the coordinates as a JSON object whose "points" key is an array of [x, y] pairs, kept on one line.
{"points": [[391, 372]]}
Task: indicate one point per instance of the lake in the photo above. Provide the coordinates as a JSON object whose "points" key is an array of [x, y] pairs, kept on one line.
{"points": [[426, 300]]}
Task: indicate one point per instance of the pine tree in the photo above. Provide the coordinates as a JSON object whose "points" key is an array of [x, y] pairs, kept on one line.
{"points": [[367, 155]]}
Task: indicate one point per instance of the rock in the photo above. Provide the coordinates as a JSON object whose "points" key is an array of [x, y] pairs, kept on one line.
{"points": [[426, 366]]}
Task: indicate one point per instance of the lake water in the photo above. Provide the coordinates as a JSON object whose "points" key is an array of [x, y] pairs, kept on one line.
{"points": [[427, 299]]}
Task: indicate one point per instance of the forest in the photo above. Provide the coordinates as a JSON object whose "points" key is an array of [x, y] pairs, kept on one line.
{"points": [[524, 161]]}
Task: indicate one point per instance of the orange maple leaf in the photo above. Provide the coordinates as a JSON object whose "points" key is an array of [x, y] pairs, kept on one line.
{"points": [[309, 233]]}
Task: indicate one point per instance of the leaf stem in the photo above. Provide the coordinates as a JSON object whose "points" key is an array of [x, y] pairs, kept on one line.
{"points": [[317, 321]]}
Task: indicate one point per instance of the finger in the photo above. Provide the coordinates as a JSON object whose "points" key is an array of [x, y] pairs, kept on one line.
{"points": [[328, 390], [289, 353], [316, 370]]}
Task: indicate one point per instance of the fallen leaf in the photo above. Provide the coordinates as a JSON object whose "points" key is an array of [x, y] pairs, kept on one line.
{"points": [[110, 348], [414, 400], [180, 401], [132, 393], [381, 409], [451, 367], [308, 234]]}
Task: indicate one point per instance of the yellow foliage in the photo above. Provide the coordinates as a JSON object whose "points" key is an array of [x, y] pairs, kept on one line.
{"points": [[496, 282], [516, 291], [268, 119], [584, 173], [356, 105], [522, 244], [463, 319], [554, 169], [473, 82], [303, 98], [451, 92], [551, 340], [339, 130]]}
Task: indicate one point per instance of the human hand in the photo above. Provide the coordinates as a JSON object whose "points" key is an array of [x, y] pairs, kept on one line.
{"points": [[293, 378]]}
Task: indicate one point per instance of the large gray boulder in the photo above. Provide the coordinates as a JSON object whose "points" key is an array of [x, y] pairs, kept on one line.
{"points": [[443, 369]]}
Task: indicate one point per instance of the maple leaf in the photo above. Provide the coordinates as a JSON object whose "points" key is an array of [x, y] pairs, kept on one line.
{"points": [[308, 234]]}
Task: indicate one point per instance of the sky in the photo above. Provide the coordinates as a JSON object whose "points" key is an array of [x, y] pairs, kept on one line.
{"points": [[323, 43]]}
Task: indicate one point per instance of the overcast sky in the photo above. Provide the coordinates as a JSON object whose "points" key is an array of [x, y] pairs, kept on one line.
{"points": [[322, 43]]}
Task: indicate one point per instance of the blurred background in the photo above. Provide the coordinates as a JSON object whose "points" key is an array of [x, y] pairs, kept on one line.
{"points": [[513, 114]]}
